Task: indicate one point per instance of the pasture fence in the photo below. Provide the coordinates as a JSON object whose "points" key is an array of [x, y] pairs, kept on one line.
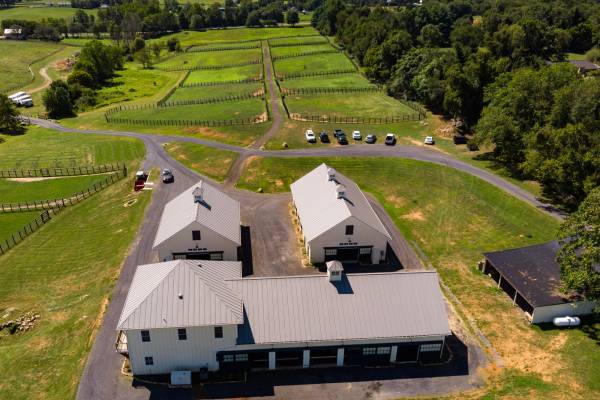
{"points": [[62, 171], [297, 75], [17, 237], [213, 100], [173, 89], [73, 199], [209, 67], [188, 122], [222, 83], [199, 49], [326, 90], [305, 53], [356, 120], [292, 44]]}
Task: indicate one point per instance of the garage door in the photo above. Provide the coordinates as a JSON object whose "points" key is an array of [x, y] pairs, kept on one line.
{"points": [[215, 256], [343, 254]]}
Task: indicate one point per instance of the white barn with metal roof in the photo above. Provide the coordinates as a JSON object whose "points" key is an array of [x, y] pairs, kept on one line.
{"points": [[188, 315], [201, 223], [337, 220]]}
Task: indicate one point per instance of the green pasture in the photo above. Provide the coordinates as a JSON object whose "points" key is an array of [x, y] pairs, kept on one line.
{"points": [[37, 13], [207, 161], [235, 35], [284, 51], [211, 58], [11, 223], [369, 104], [82, 41], [298, 40], [16, 57], [224, 46], [40, 148], [224, 75], [353, 80], [201, 92], [313, 63], [220, 111], [16, 191]]}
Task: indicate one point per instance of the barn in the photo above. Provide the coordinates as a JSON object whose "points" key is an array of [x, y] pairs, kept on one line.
{"points": [[531, 277], [189, 315], [337, 220], [201, 223]]}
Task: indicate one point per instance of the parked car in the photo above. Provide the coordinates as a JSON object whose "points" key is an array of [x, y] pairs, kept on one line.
{"points": [[356, 135], [341, 138], [140, 180], [336, 132], [324, 137], [371, 139], [167, 176], [390, 139], [429, 140], [310, 136]]}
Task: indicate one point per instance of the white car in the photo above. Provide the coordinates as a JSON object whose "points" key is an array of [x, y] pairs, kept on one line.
{"points": [[356, 135], [429, 140], [310, 136]]}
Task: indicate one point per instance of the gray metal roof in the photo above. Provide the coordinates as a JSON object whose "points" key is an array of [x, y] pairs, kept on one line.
{"points": [[153, 300], [320, 209], [360, 306], [218, 212]]}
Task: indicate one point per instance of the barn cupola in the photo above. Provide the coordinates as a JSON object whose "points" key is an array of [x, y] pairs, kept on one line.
{"points": [[198, 194], [334, 271], [330, 174], [341, 191]]}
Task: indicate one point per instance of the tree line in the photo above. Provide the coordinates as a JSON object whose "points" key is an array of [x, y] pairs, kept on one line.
{"points": [[499, 67]]}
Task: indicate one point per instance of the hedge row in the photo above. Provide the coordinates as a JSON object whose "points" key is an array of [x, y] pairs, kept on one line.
{"points": [[306, 53], [318, 73], [209, 67]]}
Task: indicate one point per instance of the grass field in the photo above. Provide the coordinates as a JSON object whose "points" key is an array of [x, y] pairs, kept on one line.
{"points": [[15, 191], [202, 112], [211, 58], [208, 46], [224, 75], [40, 148], [16, 56], [312, 63], [10, 223], [343, 80], [298, 40], [200, 92], [188, 38], [213, 163], [36, 13], [453, 217], [284, 51]]}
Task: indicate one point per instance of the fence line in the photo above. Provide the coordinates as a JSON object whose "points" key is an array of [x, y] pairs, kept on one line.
{"points": [[209, 67], [355, 120], [212, 100], [292, 36], [296, 75], [73, 199], [307, 43], [321, 90], [199, 49], [196, 84], [306, 53], [173, 89], [28, 229], [68, 171], [186, 122], [225, 42]]}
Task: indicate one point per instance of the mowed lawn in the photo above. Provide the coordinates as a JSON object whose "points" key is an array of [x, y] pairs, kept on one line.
{"points": [[210, 162], [236, 35], [41, 148], [37, 13], [369, 104], [313, 63], [298, 40], [11, 223], [16, 56], [293, 50], [202, 92], [211, 58], [202, 112], [16, 191], [225, 46], [454, 217], [224, 75], [352, 80]]}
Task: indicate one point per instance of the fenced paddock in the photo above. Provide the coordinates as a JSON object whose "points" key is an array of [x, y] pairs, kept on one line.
{"points": [[305, 74], [223, 47], [212, 60], [61, 171], [297, 41], [202, 92], [189, 123], [303, 54], [327, 62], [329, 90], [350, 80], [226, 76], [17, 237]]}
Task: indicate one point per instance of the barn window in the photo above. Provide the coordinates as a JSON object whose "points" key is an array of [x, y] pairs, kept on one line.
{"points": [[241, 357], [228, 358], [216, 256], [182, 334], [384, 350], [367, 351], [149, 360], [330, 252], [349, 229], [218, 332], [145, 336], [431, 347], [195, 235]]}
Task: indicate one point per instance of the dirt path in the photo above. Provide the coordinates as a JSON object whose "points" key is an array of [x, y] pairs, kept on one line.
{"points": [[47, 80], [236, 169]]}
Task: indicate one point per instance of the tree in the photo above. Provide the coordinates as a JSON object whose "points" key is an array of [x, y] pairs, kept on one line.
{"points": [[173, 44], [9, 117], [431, 36], [580, 255], [144, 57], [292, 17], [253, 19], [81, 77], [138, 44], [57, 100]]}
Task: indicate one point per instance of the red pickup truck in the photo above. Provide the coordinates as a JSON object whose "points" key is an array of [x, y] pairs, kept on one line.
{"points": [[140, 180]]}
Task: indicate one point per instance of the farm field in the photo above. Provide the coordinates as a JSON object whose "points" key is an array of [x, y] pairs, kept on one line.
{"points": [[211, 58], [539, 362], [316, 62], [11, 222], [297, 40], [16, 57], [293, 50], [224, 46], [37, 13], [200, 92], [236, 35], [351, 80], [224, 75], [213, 163]]}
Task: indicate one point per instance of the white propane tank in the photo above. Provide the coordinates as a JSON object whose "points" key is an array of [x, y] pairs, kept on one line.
{"points": [[566, 321]]}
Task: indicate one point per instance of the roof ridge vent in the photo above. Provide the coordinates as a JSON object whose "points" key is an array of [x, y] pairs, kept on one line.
{"points": [[341, 191]]}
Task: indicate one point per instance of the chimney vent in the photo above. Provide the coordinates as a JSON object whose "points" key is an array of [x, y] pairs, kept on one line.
{"points": [[334, 271], [198, 194], [341, 191]]}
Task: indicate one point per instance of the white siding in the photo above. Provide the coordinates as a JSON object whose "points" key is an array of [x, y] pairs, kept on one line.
{"points": [[182, 242], [363, 235], [548, 313], [170, 353]]}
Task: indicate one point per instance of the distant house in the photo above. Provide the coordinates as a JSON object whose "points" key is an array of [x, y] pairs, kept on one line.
{"points": [[189, 315], [337, 220], [201, 223], [531, 277], [13, 33], [583, 67]]}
